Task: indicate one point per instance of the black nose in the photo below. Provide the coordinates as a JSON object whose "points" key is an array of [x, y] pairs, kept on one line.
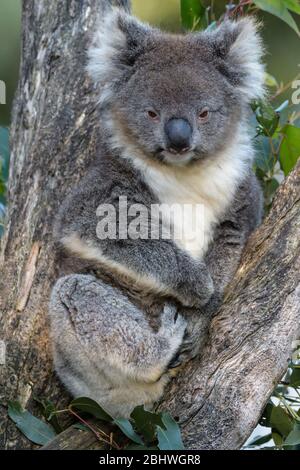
{"points": [[179, 134]]}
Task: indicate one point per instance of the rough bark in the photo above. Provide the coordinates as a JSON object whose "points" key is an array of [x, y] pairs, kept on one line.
{"points": [[55, 133]]}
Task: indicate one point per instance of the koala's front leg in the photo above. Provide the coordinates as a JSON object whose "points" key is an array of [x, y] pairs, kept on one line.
{"points": [[104, 347], [162, 267], [158, 265]]}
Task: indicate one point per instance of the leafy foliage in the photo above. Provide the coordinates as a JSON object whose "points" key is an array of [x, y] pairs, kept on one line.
{"points": [[278, 146], [169, 437], [144, 429], [282, 413], [34, 429], [280, 8]]}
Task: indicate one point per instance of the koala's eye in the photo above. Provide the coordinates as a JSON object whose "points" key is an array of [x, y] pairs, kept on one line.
{"points": [[153, 115], [203, 115]]}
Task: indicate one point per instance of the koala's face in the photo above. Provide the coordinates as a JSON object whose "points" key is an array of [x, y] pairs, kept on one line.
{"points": [[178, 99], [176, 110]]}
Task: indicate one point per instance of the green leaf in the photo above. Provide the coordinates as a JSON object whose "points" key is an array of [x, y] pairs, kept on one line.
{"points": [[4, 142], [260, 440], [90, 406], [137, 447], [127, 429], [293, 5], [266, 417], [280, 8], [295, 378], [192, 13], [277, 438], [49, 412], [170, 437], [270, 186], [293, 438], [264, 159], [267, 118], [280, 421], [145, 422], [33, 428], [290, 148], [270, 80], [283, 106], [2, 186]]}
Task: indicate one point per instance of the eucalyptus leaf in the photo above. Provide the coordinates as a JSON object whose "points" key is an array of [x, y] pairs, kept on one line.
{"points": [[281, 422], [280, 8], [294, 436], [258, 441], [266, 417], [293, 5], [49, 412], [146, 422], [36, 430], [295, 378], [264, 159], [277, 438], [290, 148], [283, 106], [170, 437], [90, 406], [270, 187], [127, 429], [267, 118], [270, 80], [138, 447]]}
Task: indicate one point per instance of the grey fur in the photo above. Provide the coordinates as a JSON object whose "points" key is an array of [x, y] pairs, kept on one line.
{"points": [[105, 343]]}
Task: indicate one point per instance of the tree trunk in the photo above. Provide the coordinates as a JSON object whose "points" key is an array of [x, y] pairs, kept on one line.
{"points": [[55, 134]]}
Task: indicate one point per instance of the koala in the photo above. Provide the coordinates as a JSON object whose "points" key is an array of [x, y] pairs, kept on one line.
{"points": [[175, 111]]}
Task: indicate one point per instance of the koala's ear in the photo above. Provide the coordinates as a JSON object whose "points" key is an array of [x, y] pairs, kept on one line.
{"points": [[117, 43], [238, 50]]}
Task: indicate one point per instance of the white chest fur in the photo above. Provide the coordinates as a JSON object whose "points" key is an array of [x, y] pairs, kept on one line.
{"points": [[204, 191]]}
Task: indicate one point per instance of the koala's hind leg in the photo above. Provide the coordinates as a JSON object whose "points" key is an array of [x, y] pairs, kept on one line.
{"points": [[104, 347]]}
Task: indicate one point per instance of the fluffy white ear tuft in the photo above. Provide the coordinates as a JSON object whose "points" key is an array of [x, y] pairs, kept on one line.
{"points": [[116, 43], [108, 41], [247, 52], [240, 45]]}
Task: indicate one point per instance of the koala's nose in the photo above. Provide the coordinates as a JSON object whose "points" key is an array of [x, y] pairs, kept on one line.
{"points": [[179, 134]]}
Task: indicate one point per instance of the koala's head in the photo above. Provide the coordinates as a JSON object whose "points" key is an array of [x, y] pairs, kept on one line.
{"points": [[175, 98]]}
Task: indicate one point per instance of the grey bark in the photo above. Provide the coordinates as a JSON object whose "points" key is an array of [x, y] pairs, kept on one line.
{"points": [[55, 133]]}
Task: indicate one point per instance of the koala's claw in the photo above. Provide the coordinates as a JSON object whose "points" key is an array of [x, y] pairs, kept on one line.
{"points": [[186, 352], [181, 358]]}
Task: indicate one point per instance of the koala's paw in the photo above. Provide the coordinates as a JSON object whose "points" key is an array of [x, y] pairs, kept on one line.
{"points": [[198, 292], [173, 326], [187, 351]]}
